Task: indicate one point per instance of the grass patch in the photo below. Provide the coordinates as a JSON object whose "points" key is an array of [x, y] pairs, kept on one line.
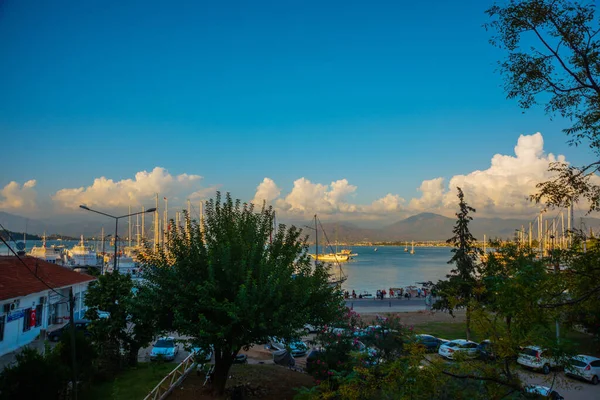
{"points": [[444, 330], [134, 383]]}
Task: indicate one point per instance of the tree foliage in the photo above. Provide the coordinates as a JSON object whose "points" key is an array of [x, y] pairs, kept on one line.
{"points": [[554, 58], [130, 326], [34, 376], [461, 286], [230, 282]]}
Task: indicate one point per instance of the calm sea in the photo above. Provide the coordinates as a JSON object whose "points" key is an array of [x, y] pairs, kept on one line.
{"points": [[389, 266]]}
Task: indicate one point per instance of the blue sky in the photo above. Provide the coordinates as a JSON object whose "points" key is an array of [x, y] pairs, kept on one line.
{"points": [[384, 94]]}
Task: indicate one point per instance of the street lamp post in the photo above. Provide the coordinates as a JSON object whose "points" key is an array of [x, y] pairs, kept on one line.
{"points": [[115, 268]]}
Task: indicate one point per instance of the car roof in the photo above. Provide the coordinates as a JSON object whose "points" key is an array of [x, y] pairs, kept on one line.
{"points": [[424, 335], [165, 338], [585, 358], [461, 341]]}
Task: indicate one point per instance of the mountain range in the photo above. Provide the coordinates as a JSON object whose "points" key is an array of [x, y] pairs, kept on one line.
{"points": [[420, 227]]}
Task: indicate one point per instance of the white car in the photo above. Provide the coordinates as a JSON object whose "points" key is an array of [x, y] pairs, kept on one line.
{"points": [[296, 347], [535, 357], [308, 328], [543, 391], [585, 367], [203, 355], [164, 348], [449, 349]]}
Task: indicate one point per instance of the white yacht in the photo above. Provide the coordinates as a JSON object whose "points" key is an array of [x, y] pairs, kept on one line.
{"points": [[46, 253], [125, 264], [82, 255]]}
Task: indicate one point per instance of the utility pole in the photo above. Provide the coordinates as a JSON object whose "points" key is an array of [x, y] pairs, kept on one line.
{"points": [[73, 351], [540, 235], [529, 234]]}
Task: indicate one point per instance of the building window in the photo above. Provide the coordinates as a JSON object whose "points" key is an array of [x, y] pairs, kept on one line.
{"points": [[27, 320], [39, 309], [2, 323]]}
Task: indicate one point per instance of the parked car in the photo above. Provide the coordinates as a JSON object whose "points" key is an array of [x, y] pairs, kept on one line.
{"points": [[544, 391], [449, 349], [371, 331], [535, 357], [486, 350], [584, 367], [164, 348], [308, 328], [202, 355], [296, 347], [80, 325], [430, 343]]}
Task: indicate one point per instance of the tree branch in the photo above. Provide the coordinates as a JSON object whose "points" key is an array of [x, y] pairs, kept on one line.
{"points": [[571, 302], [557, 56]]}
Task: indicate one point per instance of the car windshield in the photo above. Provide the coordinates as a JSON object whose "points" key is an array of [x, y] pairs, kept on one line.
{"points": [[530, 352], [577, 363], [162, 343]]}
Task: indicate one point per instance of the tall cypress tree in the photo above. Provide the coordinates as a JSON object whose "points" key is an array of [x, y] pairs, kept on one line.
{"points": [[459, 289]]}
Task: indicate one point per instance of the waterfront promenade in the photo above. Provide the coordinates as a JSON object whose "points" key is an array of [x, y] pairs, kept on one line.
{"points": [[374, 306]]}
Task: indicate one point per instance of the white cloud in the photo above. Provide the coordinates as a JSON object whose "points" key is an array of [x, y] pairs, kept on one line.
{"points": [[500, 190], [432, 195], [20, 198], [307, 198], [107, 193], [266, 191]]}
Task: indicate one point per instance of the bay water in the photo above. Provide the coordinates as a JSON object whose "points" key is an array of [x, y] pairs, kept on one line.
{"points": [[384, 268]]}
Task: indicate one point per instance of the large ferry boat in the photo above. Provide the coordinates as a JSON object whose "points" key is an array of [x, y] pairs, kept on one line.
{"points": [[49, 254], [81, 255]]}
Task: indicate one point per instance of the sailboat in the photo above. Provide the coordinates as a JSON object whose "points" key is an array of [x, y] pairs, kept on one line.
{"points": [[331, 257], [412, 250], [405, 247]]}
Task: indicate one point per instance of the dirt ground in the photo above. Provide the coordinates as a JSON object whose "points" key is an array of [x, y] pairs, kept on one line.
{"points": [[418, 317], [257, 381]]}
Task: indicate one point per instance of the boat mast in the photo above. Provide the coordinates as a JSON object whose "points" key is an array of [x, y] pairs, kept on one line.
{"points": [[316, 240], [129, 227], [156, 226], [143, 223]]}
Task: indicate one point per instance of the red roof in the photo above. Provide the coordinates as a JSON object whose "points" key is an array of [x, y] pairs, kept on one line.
{"points": [[16, 280]]}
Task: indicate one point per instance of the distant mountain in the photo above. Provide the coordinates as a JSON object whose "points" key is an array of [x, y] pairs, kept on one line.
{"points": [[21, 224], [424, 226], [420, 227]]}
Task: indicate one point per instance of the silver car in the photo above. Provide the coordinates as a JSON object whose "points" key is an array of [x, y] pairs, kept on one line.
{"points": [[451, 348], [584, 367]]}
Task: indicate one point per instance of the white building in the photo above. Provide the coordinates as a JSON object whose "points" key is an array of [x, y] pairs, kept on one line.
{"points": [[28, 305]]}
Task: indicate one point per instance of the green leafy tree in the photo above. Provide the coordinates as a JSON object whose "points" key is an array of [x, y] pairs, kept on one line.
{"points": [[554, 59], [131, 324], [461, 286], [86, 355], [230, 282]]}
